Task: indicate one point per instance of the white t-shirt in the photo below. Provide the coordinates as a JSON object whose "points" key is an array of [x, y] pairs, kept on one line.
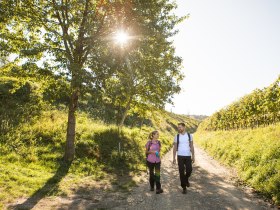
{"points": [[184, 146]]}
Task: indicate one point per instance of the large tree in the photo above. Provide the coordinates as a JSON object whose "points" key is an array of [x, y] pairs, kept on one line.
{"points": [[66, 31], [72, 37]]}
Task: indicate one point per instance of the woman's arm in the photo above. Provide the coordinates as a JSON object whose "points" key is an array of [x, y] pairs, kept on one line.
{"points": [[149, 151]]}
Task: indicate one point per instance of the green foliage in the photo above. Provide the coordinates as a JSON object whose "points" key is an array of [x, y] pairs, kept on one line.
{"points": [[260, 108], [74, 39], [20, 101], [254, 153]]}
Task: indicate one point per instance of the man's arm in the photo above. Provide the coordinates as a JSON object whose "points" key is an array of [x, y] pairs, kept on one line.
{"points": [[174, 152], [192, 151]]}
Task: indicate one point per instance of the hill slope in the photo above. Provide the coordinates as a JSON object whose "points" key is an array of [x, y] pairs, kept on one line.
{"points": [[246, 135], [30, 159], [259, 108]]}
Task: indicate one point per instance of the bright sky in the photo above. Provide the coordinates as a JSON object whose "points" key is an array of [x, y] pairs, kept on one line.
{"points": [[229, 48]]}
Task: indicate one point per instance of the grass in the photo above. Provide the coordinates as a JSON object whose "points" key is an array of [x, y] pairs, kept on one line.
{"points": [[255, 153], [15, 174], [31, 155]]}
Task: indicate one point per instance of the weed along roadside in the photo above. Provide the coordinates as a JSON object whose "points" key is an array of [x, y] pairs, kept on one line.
{"points": [[254, 153]]}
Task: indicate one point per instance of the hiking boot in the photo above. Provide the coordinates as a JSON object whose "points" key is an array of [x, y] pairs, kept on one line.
{"points": [[184, 191], [188, 183], [159, 191], [152, 189]]}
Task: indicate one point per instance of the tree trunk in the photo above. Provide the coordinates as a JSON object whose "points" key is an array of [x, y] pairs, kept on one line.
{"points": [[71, 127], [127, 107]]}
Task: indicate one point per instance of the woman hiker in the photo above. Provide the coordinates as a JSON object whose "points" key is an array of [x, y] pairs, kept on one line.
{"points": [[153, 161]]}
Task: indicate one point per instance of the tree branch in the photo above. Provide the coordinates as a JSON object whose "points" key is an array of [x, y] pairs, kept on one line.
{"points": [[91, 38], [67, 26], [64, 33], [80, 40]]}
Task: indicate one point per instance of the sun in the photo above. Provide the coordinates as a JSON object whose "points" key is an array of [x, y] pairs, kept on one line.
{"points": [[121, 37]]}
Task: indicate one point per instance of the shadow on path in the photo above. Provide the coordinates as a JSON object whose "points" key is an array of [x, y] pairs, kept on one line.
{"points": [[50, 187]]}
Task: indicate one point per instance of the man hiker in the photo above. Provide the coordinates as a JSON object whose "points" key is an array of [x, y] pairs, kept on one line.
{"points": [[183, 146]]}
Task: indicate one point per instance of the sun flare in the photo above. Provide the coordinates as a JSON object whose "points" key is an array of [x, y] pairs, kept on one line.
{"points": [[121, 37]]}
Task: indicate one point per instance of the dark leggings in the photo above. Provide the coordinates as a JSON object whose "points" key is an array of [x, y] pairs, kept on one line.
{"points": [[154, 171], [185, 169]]}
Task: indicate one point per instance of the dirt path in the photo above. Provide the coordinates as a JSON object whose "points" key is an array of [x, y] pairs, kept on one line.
{"points": [[212, 187]]}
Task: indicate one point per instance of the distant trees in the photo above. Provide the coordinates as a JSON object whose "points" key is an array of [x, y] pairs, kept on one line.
{"points": [[73, 41], [262, 107]]}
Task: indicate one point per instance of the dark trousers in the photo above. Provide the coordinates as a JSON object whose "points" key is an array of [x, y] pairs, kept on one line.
{"points": [[185, 169], [154, 171]]}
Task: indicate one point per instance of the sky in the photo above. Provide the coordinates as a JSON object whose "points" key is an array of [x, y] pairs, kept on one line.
{"points": [[229, 48]]}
